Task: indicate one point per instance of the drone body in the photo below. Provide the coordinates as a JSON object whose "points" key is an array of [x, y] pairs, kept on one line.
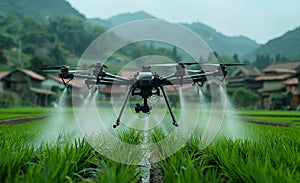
{"points": [[144, 83]]}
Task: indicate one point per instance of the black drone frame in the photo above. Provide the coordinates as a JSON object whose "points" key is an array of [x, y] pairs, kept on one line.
{"points": [[145, 83]]}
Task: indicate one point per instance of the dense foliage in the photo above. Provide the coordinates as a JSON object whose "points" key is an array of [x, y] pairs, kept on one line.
{"points": [[286, 46], [262, 154], [52, 40], [39, 10], [243, 97]]}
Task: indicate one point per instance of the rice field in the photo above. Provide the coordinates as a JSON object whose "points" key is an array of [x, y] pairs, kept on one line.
{"points": [[38, 151]]}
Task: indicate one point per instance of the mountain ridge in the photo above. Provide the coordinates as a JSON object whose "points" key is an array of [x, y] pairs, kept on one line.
{"points": [[233, 44], [46, 9], [287, 45]]}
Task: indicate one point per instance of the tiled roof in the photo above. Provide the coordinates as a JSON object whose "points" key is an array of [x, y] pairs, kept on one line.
{"points": [[3, 74], [280, 70], [249, 71], [32, 74], [252, 71], [272, 77], [292, 81], [292, 65]]}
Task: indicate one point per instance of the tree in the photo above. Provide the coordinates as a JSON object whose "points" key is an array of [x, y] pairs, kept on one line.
{"points": [[262, 61], [58, 54], [245, 98], [3, 59], [6, 42], [36, 63], [236, 58]]}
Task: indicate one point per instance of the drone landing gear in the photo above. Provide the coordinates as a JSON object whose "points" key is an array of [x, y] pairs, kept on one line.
{"points": [[123, 107], [169, 107]]}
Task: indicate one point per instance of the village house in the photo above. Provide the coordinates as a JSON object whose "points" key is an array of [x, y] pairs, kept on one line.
{"points": [[280, 79], [245, 77], [27, 85]]}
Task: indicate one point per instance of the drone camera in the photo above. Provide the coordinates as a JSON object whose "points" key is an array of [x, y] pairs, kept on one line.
{"points": [[145, 108]]}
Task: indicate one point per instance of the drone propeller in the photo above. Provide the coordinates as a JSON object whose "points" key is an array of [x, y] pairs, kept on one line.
{"points": [[174, 64], [51, 70], [195, 71], [55, 67]]}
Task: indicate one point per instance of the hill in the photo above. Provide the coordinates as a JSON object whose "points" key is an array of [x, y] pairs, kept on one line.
{"points": [[121, 18], [38, 9], [287, 45], [224, 45]]}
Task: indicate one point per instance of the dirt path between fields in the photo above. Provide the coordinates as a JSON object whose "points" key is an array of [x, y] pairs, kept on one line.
{"points": [[267, 123], [21, 120]]}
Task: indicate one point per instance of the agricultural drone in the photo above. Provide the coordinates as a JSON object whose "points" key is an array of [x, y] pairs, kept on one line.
{"points": [[144, 83]]}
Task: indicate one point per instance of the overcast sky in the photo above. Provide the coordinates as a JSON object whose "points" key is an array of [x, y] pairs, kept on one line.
{"points": [[260, 20]]}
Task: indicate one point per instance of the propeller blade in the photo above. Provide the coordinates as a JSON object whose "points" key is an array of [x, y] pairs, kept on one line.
{"points": [[76, 71], [51, 70], [55, 67], [174, 64], [195, 71], [235, 64], [51, 67], [164, 65]]}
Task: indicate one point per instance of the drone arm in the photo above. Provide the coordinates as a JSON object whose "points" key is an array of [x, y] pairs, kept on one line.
{"points": [[190, 79], [109, 75]]}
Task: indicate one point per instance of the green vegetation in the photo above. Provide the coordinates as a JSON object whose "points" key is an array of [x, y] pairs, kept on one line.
{"points": [[38, 10], [282, 48], [264, 154], [17, 112], [64, 160], [269, 154], [243, 98], [27, 42], [289, 117]]}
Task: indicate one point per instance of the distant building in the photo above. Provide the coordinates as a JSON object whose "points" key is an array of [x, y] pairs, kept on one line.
{"points": [[2, 76], [27, 84], [245, 77], [280, 78]]}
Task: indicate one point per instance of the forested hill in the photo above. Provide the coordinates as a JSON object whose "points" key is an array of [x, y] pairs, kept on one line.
{"points": [[38, 9], [223, 45], [287, 46]]}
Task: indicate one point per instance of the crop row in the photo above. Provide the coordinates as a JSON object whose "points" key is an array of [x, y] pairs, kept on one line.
{"points": [[261, 154]]}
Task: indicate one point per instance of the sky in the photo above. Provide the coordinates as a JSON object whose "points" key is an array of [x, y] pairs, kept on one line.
{"points": [[260, 20]]}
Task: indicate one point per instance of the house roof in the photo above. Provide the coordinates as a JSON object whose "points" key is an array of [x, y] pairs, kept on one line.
{"points": [[272, 77], [3, 74], [32, 74], [292, 81], [291, 65], [248, 71]]}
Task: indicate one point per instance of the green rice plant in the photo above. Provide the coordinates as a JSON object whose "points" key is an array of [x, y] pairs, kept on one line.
{"points": [[111, 171], [185, 166], [129, 136]]}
